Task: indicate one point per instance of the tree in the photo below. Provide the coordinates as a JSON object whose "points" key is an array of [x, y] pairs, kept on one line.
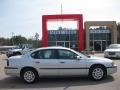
{"points": [[4, 41], [18, 40], [37, 42]]}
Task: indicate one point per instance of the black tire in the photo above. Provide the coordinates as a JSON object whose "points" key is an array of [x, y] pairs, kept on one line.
{"points": [[29, 75], [97, 73]]}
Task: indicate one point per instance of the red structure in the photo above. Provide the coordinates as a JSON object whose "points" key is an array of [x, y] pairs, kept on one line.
{"points": [[64, 17]]}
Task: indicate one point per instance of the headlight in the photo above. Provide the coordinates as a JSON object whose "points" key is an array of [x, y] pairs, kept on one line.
{"points": [[105, 53], [112, 63]]}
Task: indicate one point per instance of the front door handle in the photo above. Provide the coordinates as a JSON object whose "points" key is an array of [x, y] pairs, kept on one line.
{"points": [[37, 62], [62, 62]]}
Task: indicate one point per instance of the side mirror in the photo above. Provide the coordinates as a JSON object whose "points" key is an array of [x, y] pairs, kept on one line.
{"points": [[88, 56], [79, 57]]}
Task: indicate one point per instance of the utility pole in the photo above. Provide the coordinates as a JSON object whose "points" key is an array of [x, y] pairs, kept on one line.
{"points": [[61, 9], [12, 38], [62, 13], [36, 38]]}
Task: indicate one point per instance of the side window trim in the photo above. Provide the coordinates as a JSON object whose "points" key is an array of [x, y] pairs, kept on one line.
{"points": [[42, 51], [69, 51], [36, 52]]}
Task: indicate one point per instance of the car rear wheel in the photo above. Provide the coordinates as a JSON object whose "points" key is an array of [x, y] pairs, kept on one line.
{"points": [[97, 73], [29, 75]]}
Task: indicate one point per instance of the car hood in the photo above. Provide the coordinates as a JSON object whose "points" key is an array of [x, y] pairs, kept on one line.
{"points": [[100, 59], [112, 50]]}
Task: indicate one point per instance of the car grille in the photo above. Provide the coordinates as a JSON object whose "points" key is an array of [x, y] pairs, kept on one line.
{"points": [[111, 53]]}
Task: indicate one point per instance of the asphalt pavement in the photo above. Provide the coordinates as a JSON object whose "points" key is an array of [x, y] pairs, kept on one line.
{"points": [[112, 82]]}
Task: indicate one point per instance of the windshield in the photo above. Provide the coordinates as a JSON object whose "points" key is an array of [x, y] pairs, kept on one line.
{"points": [[114, 46], [82, 55]]}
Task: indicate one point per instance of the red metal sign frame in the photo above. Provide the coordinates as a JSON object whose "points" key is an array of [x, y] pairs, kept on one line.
{"points": [[64, 17]]}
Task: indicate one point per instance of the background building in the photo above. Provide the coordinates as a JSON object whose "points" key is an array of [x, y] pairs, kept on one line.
{"points": [[96, 34], [63, 37], [101, 37]]}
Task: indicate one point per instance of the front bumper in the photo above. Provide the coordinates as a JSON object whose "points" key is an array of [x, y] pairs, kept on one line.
{"points": [[112, 56], [12, 71], [111, 70], [116, 55]]}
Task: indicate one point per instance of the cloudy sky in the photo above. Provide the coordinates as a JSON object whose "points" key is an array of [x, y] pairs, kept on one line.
{"points": [[23, 17]]}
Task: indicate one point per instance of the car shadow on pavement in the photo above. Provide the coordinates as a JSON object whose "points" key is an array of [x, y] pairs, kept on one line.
{"points": [[17, 83]]}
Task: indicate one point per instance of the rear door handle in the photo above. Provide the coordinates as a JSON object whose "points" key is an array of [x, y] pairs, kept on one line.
{"points": [[62, 62]]}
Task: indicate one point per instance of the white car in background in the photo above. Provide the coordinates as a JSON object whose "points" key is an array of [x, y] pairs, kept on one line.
{"points": [[113, 51], [58, 61], [16, 52]]}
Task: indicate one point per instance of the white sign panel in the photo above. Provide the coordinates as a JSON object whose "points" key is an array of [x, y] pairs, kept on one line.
{"points": [[62, 31], [99, 31]]}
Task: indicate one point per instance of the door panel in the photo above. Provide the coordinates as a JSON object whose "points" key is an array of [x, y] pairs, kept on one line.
{"points": [[69, 65], [46, 62], [47, 67], [72, 67]]}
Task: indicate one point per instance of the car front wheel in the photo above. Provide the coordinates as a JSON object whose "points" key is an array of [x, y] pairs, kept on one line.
{"points": [[29, 75], [97, 73]]}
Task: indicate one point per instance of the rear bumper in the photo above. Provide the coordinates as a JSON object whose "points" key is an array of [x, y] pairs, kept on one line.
{"points": [[111, 70], [12, 71]]}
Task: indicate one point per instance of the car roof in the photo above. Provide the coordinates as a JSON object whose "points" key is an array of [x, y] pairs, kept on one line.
{"points": [[52, 47], [15, 50]]}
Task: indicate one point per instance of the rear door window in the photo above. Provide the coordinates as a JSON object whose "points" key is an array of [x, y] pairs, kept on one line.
{"points": [[44, 54]]}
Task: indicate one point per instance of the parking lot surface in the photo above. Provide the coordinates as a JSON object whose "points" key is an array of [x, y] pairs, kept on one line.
{"points": [[112, 82]]}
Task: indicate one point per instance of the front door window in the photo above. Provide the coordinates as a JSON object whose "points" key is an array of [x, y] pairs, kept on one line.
{"points": [[65, 54]]}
